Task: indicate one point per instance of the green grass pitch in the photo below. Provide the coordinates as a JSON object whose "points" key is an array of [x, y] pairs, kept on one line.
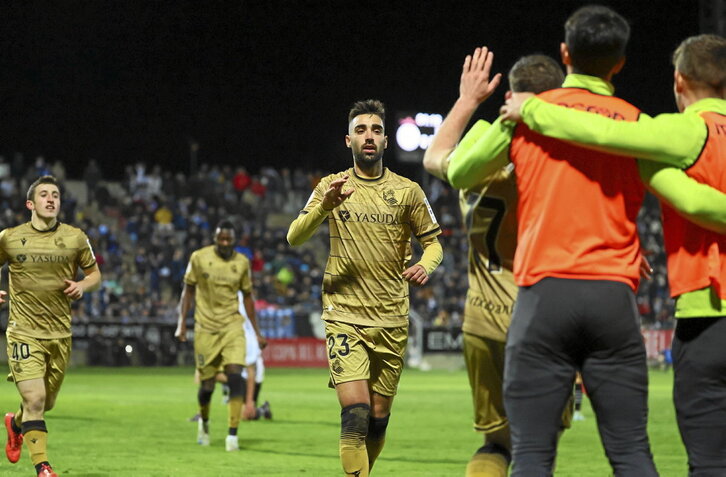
{"points": [[134, 422]]}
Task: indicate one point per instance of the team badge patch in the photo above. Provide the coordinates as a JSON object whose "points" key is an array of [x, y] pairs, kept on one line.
{"points": [[390, 197], [337, 367], [431, 211], [59, 242]]}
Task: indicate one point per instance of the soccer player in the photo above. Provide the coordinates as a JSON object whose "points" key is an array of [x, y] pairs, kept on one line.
{"points": [[365, 287], [489, 212], [214, 275], [693, 141], [254, 366], [577, 265], [43, 258]]}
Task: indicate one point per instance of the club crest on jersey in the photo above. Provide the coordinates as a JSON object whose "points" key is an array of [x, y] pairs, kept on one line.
{"points": [[21, 258], [59, 242], [344, 215], [205, 276], [234, 268], [390, 197]]}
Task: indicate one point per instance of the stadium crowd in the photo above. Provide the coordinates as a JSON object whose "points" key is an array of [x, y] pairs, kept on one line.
{"points": [[144, 231]]}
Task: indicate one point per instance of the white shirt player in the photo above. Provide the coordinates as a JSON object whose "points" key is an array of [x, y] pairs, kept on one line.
{"points": [[254, 354]]}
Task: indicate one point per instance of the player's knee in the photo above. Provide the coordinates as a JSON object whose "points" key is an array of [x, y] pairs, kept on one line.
{"points": [[236, 385], [207, 385], [204, 396], [377, 428], [34, 404], [354, 420], [492, 448]]}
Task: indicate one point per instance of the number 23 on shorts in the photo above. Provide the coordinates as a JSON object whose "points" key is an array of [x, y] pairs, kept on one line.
{"points": [[338, 345]]}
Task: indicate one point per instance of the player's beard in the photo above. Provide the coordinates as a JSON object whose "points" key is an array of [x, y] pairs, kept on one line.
{"points": [[367, 161], [225, 252]]}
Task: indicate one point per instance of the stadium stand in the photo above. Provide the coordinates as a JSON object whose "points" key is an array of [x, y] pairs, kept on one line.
{"points": [[144, 228]]}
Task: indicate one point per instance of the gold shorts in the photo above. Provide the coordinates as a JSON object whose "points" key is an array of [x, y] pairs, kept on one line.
{"points": [[33, 358], [369, 353], [213, 351], [485, 365]]}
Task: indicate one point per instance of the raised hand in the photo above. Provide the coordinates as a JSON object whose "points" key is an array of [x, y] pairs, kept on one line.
{"points": [[475, 84], [335, 195]]}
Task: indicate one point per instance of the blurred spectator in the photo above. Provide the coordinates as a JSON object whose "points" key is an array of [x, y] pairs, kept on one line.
{"points": [[4, 169], [92, 176], [241, 180], [18, 167], [59, 171]]}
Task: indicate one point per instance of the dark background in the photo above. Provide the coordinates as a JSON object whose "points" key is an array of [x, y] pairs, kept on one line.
{"points": [[270, 82]]}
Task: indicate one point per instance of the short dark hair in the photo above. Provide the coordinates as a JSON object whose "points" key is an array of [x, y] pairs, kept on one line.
{"points": [[367, 106], [535, 73], [596, 37], [226, 224], [702, 58], [41, 180]]}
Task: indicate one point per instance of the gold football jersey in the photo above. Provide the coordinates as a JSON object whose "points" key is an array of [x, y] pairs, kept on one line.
{"points": [[489, 212], [370, 247], [39, 262], [216, 283]]}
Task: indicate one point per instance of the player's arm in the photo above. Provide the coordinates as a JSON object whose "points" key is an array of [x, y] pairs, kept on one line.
{"points": [[91, 281], [425, 228], [248, 301], [474, 88], [433, 253], [472, 163], [86, 262], [250, 411], [185, 304], [188, 295], [319, 205], [699, 203], [674, 139]]}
